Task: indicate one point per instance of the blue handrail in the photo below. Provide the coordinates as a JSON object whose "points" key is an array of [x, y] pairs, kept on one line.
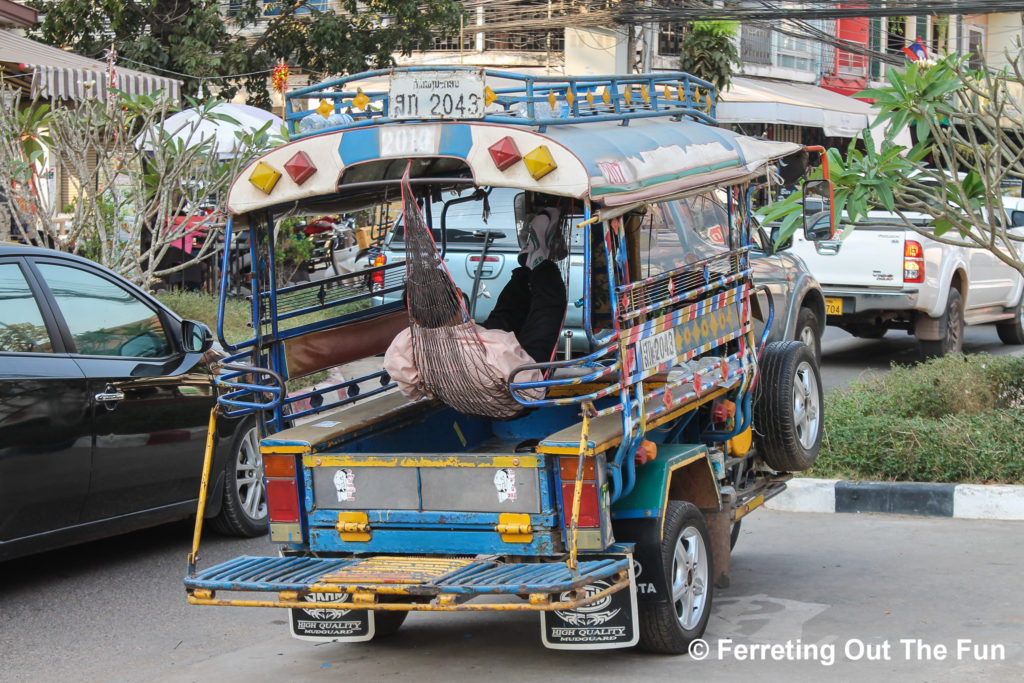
{"points": [[578, 98]]}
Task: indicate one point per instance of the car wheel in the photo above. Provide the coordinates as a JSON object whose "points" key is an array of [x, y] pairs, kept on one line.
{"points": [[807, 331], [1012, 331], [953, 342], [788, 411], [669, 626], [244, 511]]}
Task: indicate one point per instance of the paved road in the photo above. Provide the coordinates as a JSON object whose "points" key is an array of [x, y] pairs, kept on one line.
{"points": [[844, 357], [115, 610]]}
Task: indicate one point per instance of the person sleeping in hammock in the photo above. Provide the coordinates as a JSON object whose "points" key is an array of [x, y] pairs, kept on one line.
{"points": [[522, 329]]}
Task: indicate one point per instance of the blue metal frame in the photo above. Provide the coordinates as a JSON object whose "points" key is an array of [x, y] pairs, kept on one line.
{"points": [[533, 90]]}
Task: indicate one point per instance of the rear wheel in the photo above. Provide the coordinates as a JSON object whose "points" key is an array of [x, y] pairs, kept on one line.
{"points": [[1012, 331], [788, 410], [807, 331], [244, 511], [670, 626], [386, 623], [953, 341]]}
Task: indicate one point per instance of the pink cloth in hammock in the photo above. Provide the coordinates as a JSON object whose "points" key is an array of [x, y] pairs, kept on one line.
{"points": [[502, 353]]}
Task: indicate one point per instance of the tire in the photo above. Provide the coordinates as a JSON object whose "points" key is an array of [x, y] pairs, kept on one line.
{"points": [[788, 410], [953, 342], [807, 331], [734, 534], [1012, 331], [387, 623], [669, 627], [244, 511]]}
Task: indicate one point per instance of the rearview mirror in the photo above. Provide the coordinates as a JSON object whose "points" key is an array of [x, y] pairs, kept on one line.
{"points": [[819, 222], [196, 337]]}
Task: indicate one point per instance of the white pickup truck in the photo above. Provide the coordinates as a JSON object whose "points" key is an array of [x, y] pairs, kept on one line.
{"points": [[886, 276]]}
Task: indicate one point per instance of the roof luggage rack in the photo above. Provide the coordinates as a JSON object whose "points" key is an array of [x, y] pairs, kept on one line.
{"points": [[528, 101]]}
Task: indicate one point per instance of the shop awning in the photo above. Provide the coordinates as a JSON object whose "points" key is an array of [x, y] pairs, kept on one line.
{"points": [[751, 100], [58, 74]]}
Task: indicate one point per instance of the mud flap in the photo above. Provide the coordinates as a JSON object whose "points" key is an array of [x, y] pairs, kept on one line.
{"points": [[322, 624], [609, 623]]}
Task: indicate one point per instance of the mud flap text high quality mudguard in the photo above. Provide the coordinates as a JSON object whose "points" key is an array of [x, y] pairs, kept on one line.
{"points": [[608, 623]]}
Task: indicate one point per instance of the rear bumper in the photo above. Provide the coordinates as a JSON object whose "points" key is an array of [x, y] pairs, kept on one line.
{"points": [[408, 583], [857, 301]]}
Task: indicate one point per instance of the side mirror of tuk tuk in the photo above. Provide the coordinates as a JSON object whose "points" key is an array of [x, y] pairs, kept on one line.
{"points": [[819, 223], [196, 337]]}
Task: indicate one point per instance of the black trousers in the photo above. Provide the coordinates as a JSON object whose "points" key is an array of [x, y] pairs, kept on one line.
{"points": [[532, 305]]}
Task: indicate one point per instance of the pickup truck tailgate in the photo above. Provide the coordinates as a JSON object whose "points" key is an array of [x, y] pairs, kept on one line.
{"points": [[871, 256]]}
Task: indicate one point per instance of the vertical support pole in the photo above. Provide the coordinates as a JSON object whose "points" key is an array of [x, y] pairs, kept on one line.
{"points": [[197, 533], [577, 491]]}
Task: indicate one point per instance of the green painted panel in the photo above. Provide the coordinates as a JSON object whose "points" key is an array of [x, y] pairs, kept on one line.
{"points": [[652, 480]]}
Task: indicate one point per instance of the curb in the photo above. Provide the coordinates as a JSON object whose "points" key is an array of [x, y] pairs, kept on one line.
{"points": [[963, 501]]}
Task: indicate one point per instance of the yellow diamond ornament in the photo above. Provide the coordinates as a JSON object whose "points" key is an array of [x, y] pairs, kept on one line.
{"points": [[590, 97], [570, 97], [606, 96], [264, 177], [360, 101], [682, 95], [325, 109], [551, 99], [489, 96], [668, 94], [644, 94], [627, 95], [539, 162]]}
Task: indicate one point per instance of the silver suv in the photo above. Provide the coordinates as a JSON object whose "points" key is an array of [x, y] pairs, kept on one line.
{"points": [[481, 254]]}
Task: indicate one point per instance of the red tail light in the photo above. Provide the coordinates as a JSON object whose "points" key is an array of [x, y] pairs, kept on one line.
{"points": [[913, 261], [486, 259], [378, 277], [282, 500]]}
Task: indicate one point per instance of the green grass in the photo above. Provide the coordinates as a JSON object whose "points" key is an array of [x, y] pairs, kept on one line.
{"points": [[954, 419]]}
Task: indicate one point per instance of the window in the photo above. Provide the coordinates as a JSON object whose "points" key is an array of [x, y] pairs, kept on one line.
{"points": [[707, 219], [670, 39], [103, 318], [21, 323], [976, 46], [659, 245]]}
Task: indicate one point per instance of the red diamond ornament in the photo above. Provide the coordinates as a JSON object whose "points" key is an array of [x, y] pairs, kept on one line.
{"points": [[299, 167], [504, 153]]}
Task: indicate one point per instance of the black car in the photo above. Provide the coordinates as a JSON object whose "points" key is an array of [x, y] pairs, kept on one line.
{"points": [[105, 397]]}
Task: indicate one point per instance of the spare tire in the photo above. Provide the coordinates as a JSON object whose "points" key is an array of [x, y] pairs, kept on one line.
{"points": [[788, 407]]}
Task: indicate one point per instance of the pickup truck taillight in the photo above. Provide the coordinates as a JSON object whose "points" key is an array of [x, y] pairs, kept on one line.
{"points": [[486, 259], [378, 277], [913, 262]]}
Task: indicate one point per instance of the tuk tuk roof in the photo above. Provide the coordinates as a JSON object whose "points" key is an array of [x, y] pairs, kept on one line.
{"points": [[613, 158]]}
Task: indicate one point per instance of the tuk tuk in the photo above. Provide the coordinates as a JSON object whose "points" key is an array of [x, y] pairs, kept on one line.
{"points": [[604, 495]]}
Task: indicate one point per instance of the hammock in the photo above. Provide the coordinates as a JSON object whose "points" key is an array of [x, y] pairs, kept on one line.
{"points": [[447, 351]]}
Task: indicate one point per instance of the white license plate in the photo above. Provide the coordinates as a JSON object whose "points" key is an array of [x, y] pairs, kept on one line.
{"points": [[661, 348], [436, 95]]}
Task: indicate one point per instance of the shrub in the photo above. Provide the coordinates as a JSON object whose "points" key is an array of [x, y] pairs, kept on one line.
{"points": [[953, 419]]}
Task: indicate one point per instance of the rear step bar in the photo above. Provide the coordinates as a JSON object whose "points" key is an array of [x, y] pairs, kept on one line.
{"points": [[424, 583]]}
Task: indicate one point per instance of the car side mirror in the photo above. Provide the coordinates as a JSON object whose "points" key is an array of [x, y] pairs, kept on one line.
{"points": [[819, 223], [196, 337]]}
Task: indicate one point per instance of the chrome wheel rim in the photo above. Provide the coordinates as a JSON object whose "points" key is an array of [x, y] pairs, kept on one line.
{"points": [[249, 476], [689, 578], [808, 337], [806, 406]]}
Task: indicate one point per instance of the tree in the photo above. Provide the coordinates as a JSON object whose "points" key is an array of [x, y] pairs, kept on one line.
{"points": [[709, 51], [192, 37], [140, 187], [967, 126]]}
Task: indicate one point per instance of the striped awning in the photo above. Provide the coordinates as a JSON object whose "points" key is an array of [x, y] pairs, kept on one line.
{"points": [[58, 74]]}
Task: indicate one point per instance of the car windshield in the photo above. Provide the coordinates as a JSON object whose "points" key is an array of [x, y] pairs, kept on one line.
{"points": [[465, 219]]}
